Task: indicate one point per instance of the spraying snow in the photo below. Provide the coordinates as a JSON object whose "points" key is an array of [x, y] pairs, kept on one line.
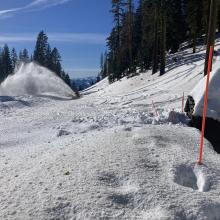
{"points": [[33, 79]]}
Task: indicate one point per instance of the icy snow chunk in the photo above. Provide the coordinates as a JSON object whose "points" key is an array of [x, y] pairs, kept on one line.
{"points": [[177, 117], [94, 126], [155, 121], [62, 132]]}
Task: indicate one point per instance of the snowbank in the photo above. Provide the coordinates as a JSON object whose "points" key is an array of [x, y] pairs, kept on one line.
{"points": [[198, 94]]}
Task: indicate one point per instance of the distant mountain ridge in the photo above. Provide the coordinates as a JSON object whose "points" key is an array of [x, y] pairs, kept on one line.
{"points": [[84, 83]]}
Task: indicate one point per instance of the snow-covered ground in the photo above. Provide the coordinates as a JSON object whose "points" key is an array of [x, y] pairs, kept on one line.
{"points": [[122, 151]]}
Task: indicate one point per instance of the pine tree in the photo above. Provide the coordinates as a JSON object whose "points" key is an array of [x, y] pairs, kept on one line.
{"points": [[195, 11], [1, 67], [20, 56], [218, 18], [148, 52], [130, 33], [105, 66], [14, 58], [114, 41], [56, 59], [137, 37], [101, 64], [7, 68], [67, 79], [25, 56], [40, 52], [156, 37], [142, 38], [176, 24], [211, 31], [49, 61], [114, 64], [162, 37]]}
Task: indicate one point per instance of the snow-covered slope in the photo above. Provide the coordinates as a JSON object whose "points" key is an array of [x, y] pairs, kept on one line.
{"points": [[121, 152]]}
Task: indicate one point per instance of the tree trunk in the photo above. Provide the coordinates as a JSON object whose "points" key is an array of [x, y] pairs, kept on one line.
{"points": [[130, 36], [211, 31], [155, 46], [163, 40], [194, 42], [218, 19]]}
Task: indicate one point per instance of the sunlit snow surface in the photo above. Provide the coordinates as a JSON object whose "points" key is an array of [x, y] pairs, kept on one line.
{"points": [[110, 154], [198, 93]]}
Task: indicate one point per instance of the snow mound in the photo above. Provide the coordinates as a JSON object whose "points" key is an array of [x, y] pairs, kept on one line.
{"points": [[198, 94], [33, 79]]}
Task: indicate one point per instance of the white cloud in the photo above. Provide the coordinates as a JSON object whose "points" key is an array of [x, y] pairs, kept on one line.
{"points": [[42, 4], [6, 39], [71, 38], [33, 6]]}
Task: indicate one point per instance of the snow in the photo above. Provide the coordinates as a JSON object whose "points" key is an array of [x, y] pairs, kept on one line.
{"points": [[33, 79], [198, 94], [108, 155]]}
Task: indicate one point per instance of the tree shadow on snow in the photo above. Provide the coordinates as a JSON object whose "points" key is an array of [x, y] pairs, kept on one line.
{"points": [[13, 99], [58, 98]]}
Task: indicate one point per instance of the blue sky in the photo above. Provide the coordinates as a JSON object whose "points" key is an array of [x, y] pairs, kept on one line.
{"points": [[78, 28]]}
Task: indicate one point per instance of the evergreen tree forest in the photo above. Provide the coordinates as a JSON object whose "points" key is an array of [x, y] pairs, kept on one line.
{"points": [[43, 55], [144, 32]]}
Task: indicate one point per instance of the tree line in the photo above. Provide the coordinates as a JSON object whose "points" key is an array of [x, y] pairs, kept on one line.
{"points": [[43, 55], [143, 34]]}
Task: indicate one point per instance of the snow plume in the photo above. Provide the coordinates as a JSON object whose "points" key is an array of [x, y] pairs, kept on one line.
{"points": [[33, 79]]}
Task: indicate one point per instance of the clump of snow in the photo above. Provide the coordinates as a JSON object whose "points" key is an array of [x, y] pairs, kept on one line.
{"points": [[157, 213], [33, 79], [62, 132], [202, 179], [198, 94], [177, 117]]}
